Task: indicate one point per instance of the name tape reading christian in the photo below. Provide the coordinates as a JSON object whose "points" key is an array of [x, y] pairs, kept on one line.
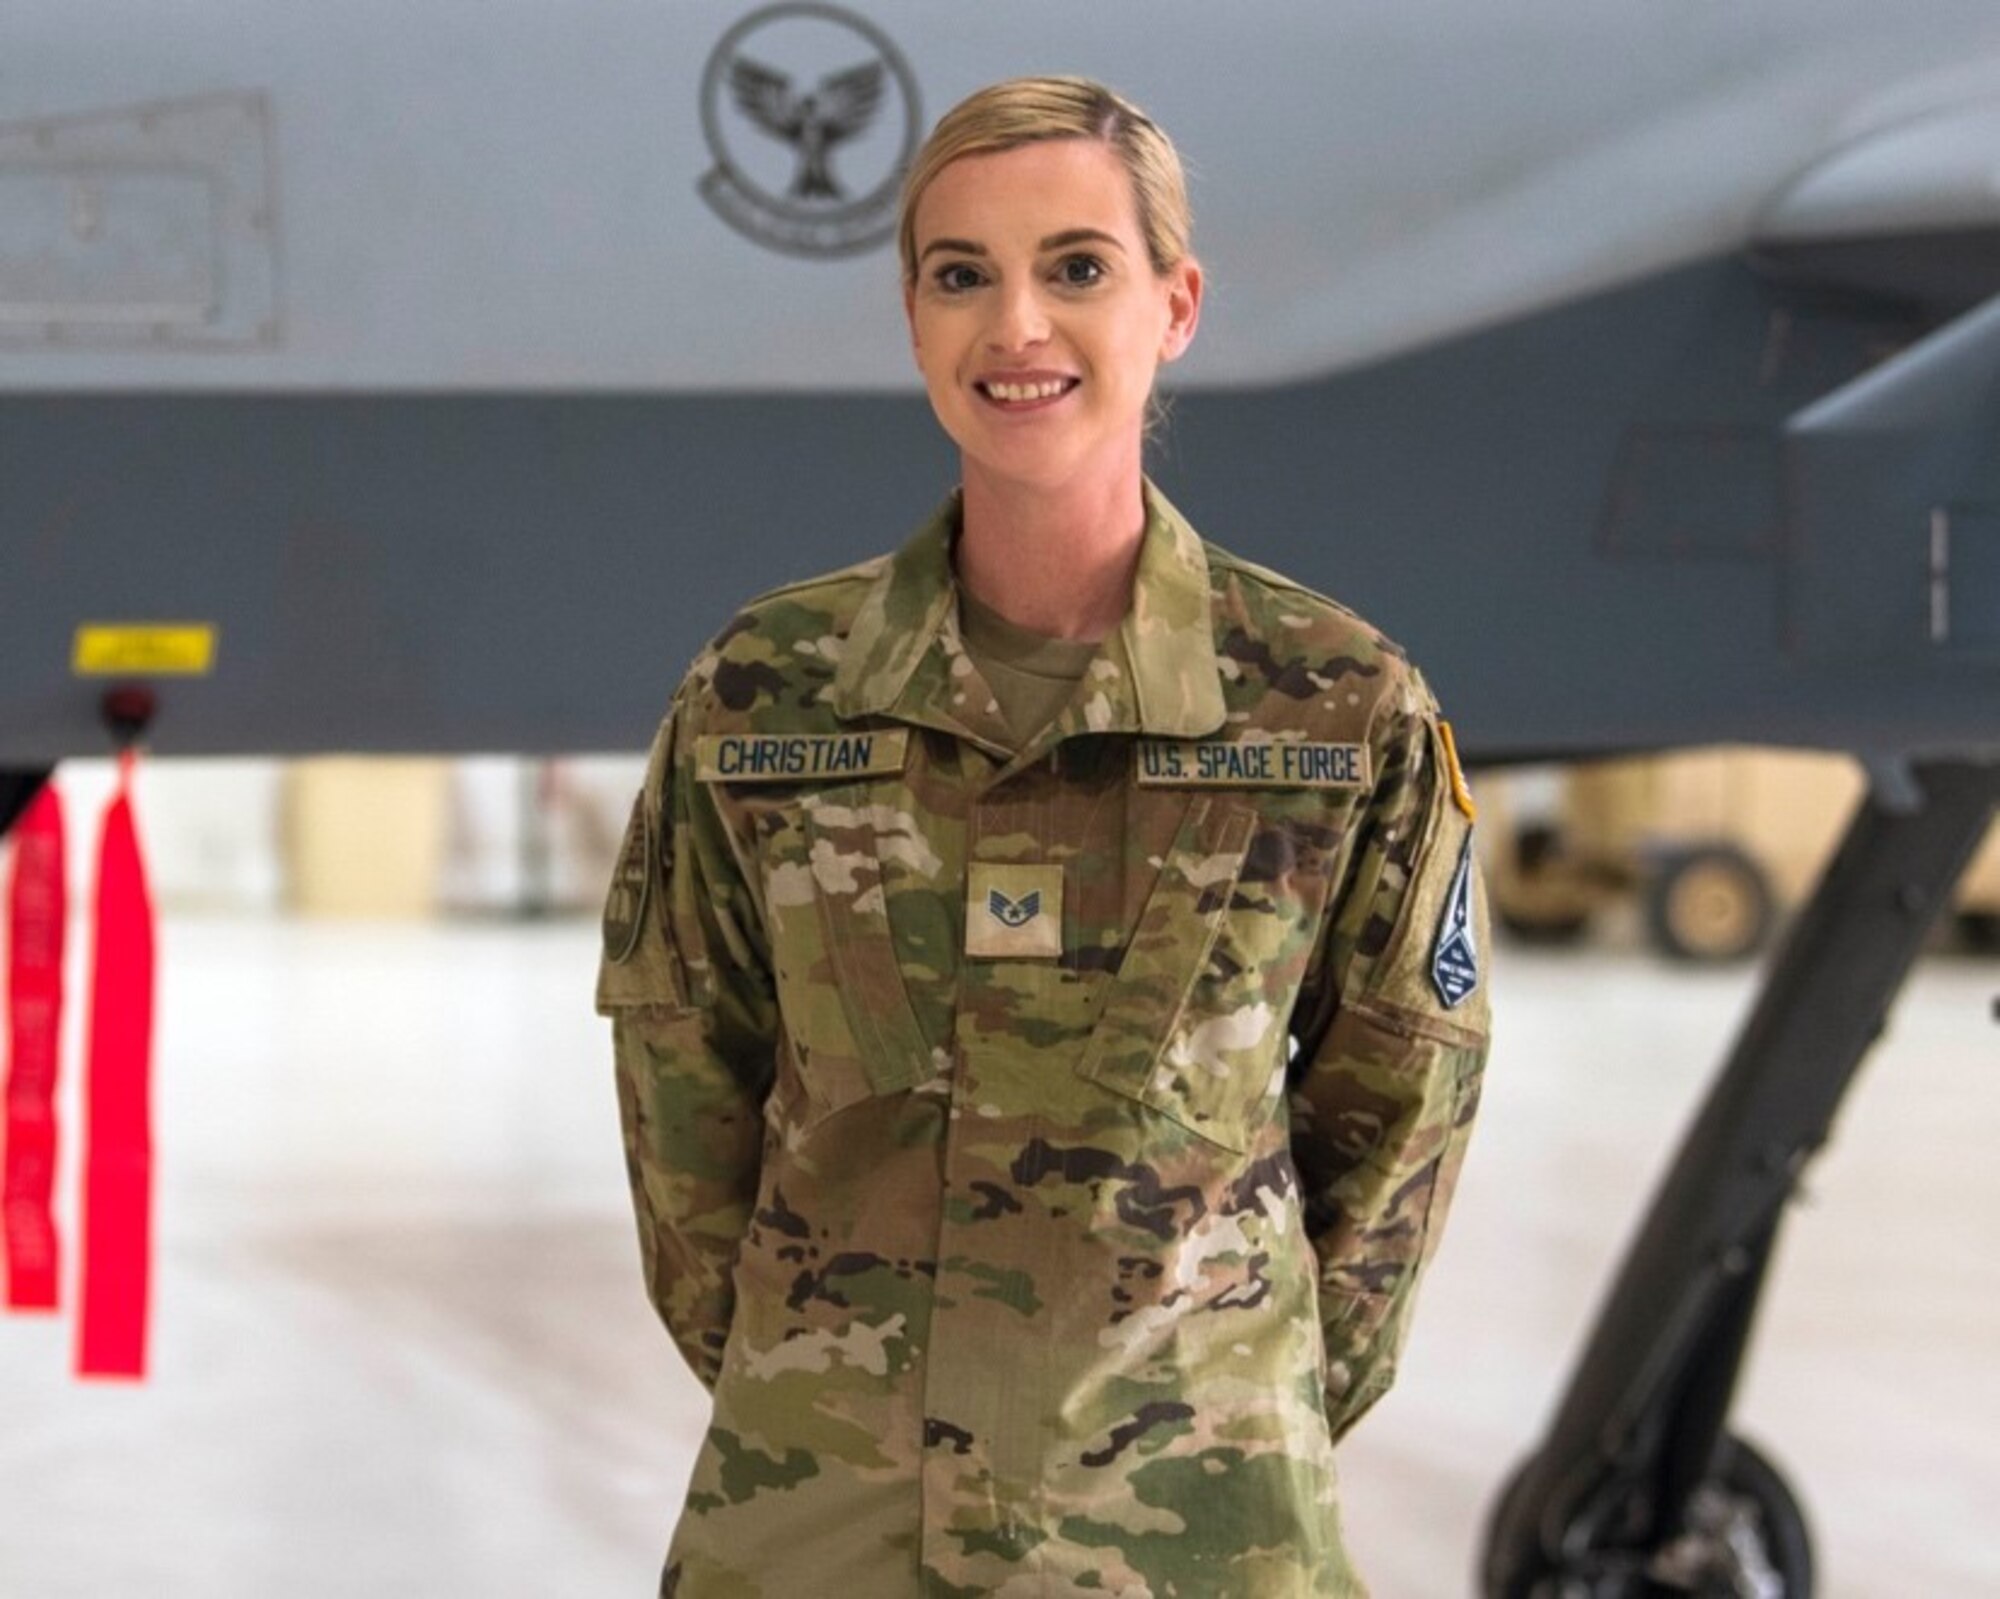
{"points": [[798, 757]]}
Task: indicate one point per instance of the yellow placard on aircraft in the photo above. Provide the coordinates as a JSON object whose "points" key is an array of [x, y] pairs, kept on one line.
{"points": [[143, 649]]}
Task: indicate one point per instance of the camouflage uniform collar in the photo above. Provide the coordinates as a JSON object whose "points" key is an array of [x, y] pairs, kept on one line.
{"points": [[1168, 636], [899, 620], [1158, 674]]}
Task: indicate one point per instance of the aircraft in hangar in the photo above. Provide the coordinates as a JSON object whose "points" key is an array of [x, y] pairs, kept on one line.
{"points": [[432, 377]]}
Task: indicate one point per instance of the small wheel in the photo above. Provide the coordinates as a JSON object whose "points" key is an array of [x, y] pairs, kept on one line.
{"points": [[1746, 1537], [1743, 1537], [1516, 1564], [1708, 904], [1513, 1565]]}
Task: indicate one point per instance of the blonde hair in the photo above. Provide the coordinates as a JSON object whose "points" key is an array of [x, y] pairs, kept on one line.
{"points": [[1018, 111]]}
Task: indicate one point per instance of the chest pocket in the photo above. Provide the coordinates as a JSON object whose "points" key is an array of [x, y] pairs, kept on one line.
{"points": [[846, 1013], [1188, 1027]]}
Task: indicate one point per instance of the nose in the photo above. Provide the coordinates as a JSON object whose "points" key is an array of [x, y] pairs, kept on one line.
{"points": [[1020, 320]]}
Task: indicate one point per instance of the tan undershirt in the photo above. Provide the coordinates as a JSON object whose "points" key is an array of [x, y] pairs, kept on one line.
{"points": [[1031, 674]]}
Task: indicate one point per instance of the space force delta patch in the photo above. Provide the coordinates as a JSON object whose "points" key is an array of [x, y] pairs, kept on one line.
{"points": [[1455, 958], [798, 757], [1249, 763]]}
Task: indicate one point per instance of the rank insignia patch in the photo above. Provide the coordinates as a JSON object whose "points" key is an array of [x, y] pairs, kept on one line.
{"points": [[1013, 911], [1455, 960]]}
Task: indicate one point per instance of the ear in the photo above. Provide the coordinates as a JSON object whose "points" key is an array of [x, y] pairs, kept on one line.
{"points": [[1184, 284]]}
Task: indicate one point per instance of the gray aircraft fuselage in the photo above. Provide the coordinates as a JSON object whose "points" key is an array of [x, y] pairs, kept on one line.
{"points": [[456, 369], [464, 366]]}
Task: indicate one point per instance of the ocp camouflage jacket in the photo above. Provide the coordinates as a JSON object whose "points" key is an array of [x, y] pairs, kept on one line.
{"points": [[1036, 1150]]}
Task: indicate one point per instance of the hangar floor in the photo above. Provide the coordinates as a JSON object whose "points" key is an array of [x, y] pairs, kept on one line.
{"points": [[400, 1347]]}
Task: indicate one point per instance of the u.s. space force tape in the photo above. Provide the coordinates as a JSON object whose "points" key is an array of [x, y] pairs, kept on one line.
{"points": [[799, 757], [1249, 763]]}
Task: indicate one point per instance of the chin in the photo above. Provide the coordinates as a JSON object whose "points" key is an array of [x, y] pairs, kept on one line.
{"points": [[1043, 463], [1046, 470]]}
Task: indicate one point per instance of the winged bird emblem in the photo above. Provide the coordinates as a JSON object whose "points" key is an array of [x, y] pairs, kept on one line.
{"points": [[1014, 912], [840, 106]]}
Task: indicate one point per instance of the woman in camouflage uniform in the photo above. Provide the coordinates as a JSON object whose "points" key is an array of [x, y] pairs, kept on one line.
{"points": [[1046, 975]]}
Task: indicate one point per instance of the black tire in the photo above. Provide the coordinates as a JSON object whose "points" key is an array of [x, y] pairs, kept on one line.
{"points": [[1745, 1494], [1708, 904], [1748, 1491], [1510, 1568]]}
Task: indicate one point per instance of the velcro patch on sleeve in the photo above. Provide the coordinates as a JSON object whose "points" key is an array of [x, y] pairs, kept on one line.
{"points": [[1013, 911], [1455, 951], [799, 757], [631, 886], [1249, 763]]}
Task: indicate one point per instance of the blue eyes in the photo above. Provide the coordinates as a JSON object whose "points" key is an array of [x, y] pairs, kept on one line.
{"points": [[1071, 272]]}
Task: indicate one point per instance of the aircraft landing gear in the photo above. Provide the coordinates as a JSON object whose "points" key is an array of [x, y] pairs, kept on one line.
{"points": [[1638, 1490], [1746, 1534], [1743, 1537]]}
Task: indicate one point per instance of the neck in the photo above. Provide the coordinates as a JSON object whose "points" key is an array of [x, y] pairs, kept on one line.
{"points": [[1056, 561]]}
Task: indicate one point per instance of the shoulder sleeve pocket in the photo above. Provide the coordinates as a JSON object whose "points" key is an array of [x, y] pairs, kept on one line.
{"points": [[639, 964]]}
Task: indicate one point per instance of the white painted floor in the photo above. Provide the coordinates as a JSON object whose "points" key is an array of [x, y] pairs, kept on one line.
{"points": [[401, 1347]]}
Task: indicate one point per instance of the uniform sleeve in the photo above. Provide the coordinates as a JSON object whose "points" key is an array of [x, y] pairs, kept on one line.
{"points": [[685, 980], [1386, 1078]]}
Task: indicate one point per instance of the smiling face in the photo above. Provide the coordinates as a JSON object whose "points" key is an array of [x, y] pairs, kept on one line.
{"points": [[1037, 319]]}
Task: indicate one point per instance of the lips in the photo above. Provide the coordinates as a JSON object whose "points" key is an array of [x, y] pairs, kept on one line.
{"points": [[1026, 388]]}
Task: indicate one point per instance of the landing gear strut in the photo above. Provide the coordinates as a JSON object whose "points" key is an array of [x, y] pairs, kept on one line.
{"points": [[1638, 1490]]}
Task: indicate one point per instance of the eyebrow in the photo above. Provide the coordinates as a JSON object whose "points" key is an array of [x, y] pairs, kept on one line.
{"points": [[1055, 241], [1058, 241], [954, 246]]}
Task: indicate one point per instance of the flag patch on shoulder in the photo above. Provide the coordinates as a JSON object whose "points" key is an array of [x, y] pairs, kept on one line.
{"points": [[631, 885]]}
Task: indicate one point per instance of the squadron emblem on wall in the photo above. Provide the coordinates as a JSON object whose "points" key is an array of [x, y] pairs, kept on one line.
{"points": [[812, 117]]}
